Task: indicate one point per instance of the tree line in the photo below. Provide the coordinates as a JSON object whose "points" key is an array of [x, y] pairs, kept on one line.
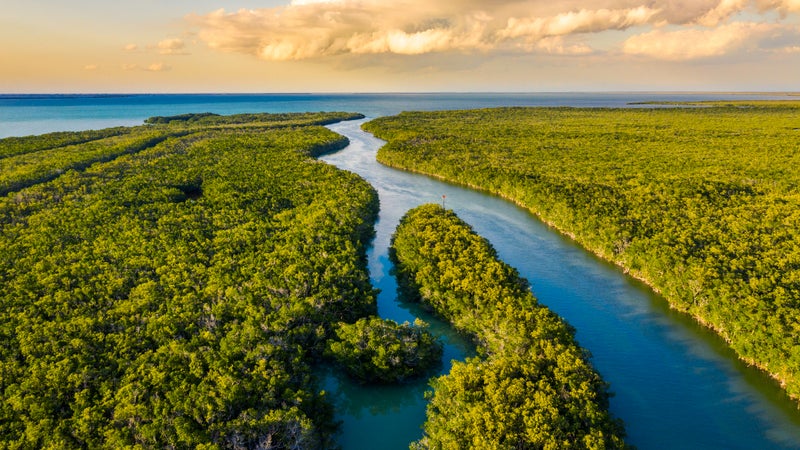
{"points": [[172, 286], [532, 385], [701, 202]]}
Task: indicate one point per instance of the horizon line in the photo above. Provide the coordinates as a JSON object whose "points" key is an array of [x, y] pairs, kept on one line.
{"points": [[511, 92]]}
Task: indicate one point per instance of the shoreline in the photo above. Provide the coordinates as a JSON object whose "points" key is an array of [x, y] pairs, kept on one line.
{"points": [[627, 271]]}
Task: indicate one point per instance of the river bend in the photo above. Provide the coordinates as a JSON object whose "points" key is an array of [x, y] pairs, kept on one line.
{"points": [[675, 384]]}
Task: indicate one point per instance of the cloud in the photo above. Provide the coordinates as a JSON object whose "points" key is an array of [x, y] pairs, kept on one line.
{"points": [[308, 29], [693, 43], [784, 6], [721, 12], [555, 46], [309, 2], [130, 47], [91, 67], [153, 67], [172, 46], [583, 21], [158, 67]]}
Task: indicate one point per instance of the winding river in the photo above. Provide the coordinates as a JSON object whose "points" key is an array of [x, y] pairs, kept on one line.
{"points": [[676, 385]]}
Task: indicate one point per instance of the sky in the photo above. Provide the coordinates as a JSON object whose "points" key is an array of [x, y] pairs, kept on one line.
{"points": [[162, 46]]}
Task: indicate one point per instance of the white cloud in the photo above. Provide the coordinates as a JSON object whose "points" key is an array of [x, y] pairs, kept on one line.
{"points": [[687, 44]]}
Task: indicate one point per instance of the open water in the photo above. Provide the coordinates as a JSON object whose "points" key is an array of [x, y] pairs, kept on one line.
{"points": [[676, 385]]}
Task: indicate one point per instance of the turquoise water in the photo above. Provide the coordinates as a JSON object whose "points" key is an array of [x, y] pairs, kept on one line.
{"points": [[22, 115], [676, 384]]}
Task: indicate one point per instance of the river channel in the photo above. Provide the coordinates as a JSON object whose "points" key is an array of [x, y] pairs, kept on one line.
{"points": [[675, 384]]}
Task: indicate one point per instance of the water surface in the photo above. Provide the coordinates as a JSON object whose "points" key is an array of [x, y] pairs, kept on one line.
{"points": [[22, 115], [676, 384]]}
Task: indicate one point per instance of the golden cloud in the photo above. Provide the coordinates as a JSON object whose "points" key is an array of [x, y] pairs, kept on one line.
{"points": [[172, 46], [583, 21], [697, 43], [556, 46], [158, 67], [784, 6], [306, 29], [721, 12], [153, 67]]}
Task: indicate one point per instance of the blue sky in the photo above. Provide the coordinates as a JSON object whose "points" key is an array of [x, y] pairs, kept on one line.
{"points": [[399, 45]]}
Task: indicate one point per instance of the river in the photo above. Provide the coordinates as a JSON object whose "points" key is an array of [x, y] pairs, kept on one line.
{"points": [[676, 384]]}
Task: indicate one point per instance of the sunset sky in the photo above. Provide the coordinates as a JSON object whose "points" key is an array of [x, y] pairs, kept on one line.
{"points": [[52, 46]]}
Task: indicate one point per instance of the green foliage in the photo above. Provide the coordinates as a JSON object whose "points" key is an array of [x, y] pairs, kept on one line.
{"points": [[176, 296], [18, 145], [535, 387], [191, 117], [379, 350], [30, 160], [20, 171], [700, 202], [264, 119]]}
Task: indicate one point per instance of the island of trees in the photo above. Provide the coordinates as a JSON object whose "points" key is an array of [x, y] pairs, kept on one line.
{"points": [[375, 350], [701, 202], [531, 386], [170, 285]]}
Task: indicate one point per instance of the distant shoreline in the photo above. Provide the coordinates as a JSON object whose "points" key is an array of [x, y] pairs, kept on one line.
{"points": [[44, 95]]}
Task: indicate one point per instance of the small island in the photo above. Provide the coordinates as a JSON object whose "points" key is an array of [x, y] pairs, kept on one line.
{"points": [[375, 350], [533, 386]]}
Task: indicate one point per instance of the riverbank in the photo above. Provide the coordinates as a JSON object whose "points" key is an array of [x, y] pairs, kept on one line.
{"points": [[653, 357], [600, 254], [667, 195]]}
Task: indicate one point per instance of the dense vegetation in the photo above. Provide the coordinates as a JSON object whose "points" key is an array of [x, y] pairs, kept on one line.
{"points": [[534, 387], [37, 159], [274, 120], [703, 203], [380, 350], [175, 293], [18, 145]]}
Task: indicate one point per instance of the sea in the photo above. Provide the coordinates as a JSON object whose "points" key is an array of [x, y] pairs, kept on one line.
{"points": [[27, 114]]}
